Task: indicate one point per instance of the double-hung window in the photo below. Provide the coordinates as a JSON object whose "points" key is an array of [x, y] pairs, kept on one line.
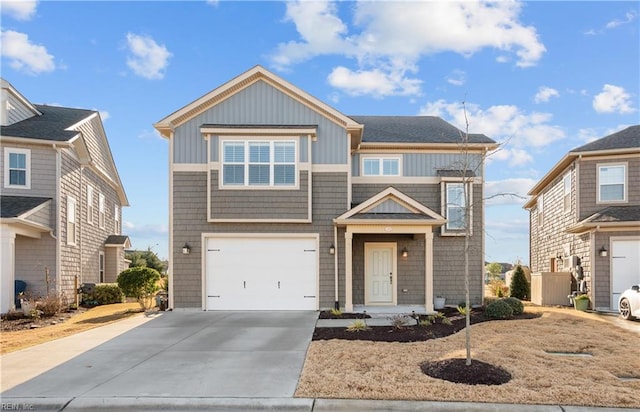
{"points": [[381, 166], [17, 168], [90, 207], [612, 183], [566, 196], [101, 211], [540, 209], [259, 163], [116, 220], [455, 206], [71, 221]]}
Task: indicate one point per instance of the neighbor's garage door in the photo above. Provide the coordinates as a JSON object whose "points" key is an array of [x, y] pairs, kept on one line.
{"points": [[625, 267], [261, 273]]}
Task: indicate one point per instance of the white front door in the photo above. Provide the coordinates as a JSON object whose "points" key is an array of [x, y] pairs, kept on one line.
{"points": [[380, 276], [625, 267]]}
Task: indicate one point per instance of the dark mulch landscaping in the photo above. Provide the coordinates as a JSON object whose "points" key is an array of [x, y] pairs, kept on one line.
{"points": [[457, 371]]}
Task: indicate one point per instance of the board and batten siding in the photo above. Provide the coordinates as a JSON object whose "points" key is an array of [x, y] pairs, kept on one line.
{"points": [[448, 251], [260, 104], [329, 195], [426, 164]]}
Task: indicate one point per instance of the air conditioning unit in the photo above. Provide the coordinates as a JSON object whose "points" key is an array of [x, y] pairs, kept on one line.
{"points": [[570, 263]]}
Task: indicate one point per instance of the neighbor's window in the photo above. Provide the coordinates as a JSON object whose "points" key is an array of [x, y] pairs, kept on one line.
{"points": [[101, 211], [259, 163], [566, 197], [17, 168], [71, 221], [455, 201], [381, 166], [101, 266], [540, 208], [611, 183], [116, 220], [90, 208]]}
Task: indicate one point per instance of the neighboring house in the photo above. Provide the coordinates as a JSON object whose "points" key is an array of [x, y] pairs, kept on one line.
{"points": [[61, 202], [585, 217], [278, 202]]}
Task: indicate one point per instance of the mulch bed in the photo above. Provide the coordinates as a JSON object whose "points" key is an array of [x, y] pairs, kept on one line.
{"points": [[326, 314], [411, 332], [18, 322], [456, 370]]}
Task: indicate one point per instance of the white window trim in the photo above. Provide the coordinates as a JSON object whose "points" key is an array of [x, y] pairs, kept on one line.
{"points": [[101, 211], [72, 218], [444, 230], [271, 186], [116, 219], [90, 208], [625, 190], [565, 194], [381, 159], [540, 209], [101, 267], [7, 182]]}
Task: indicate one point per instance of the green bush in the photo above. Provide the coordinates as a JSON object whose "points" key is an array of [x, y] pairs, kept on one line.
{"points": [[516, 305], [104, 294], [140, 283], [519, 286], [498, 310]]}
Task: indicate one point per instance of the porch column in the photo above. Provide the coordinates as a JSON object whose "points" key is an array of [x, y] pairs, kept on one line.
{"points": [[348, 293], [428, 271], [7, 268]]}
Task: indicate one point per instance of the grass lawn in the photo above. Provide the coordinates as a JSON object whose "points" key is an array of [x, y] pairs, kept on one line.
{"points": [[380, 370]]}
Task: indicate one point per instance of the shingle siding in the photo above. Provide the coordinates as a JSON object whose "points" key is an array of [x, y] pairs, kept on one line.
{"points": [[190, 221]]}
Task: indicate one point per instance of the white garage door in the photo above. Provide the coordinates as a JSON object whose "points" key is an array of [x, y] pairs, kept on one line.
{"points": [[261, 273], [625, 267]]}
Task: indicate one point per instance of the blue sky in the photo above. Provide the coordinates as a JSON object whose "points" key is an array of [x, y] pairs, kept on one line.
{"points": [[539, 77]]}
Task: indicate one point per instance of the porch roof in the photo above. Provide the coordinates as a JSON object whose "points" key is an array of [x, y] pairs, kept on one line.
{"points": [[17, 206], [613, 216]]}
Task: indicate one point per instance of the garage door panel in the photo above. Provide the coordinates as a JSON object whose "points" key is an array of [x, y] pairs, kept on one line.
{"points": [[261, 274], [625, 267]]}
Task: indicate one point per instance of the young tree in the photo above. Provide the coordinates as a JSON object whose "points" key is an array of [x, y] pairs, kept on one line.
{"points": [[146, 258], [519, 285], [140, 283], [494, 270]]}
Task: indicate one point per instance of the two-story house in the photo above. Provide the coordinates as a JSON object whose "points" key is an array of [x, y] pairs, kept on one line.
{"points": [[280, 202], [61, 201], [585, 217]]}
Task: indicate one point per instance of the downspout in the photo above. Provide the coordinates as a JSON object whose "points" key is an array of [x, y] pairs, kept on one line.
{"points": [[58, 217], [79, 224], [170, 276], [335, 266]]}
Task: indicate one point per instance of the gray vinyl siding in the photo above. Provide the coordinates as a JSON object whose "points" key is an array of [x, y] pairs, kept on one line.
{"points": [[190, 222], [16, 110], [260, 204], [448, 253], [33, 258], [114, 263], [98, 145], [260, 104], [43, 171], [589, 185], [427, 164], [45, 216]]}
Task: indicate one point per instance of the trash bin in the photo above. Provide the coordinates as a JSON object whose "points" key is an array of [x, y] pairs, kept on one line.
{"points": [[162, 300]]}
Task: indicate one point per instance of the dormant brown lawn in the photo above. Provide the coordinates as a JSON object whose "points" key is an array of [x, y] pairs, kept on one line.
{"points": [[380, 370]]}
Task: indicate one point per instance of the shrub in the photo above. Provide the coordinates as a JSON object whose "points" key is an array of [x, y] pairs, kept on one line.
{"points": [[104, 294], [519, 286], [498, 310], [336, 312], [399, 321], [52, 304], [431, 319], [516, 305], [462, 309], [498, 288], [357, 325], [139, 283]]}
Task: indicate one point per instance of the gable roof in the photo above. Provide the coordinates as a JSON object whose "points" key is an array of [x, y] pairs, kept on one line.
{"points": [[51, 125], [16, 206], [414, 129], [626, 141], [118, 240], [388, 206], [257, 73], [612, 216]]}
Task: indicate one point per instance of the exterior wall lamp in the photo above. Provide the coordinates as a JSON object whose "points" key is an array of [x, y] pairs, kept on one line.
{"points": [[332, 249], [603, 251], [186, 249], [405, 252]]}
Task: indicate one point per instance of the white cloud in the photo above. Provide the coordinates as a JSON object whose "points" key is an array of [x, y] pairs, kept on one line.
{"points": [[508, 191], [501, 122], [545, 94], [150, 134], [514, 157], [24, 55], [104, 115], [628, 18], [147, 59], [457, 78], [375, 82], [145, 231], [613, 99], [19, 10], [388, 38]]}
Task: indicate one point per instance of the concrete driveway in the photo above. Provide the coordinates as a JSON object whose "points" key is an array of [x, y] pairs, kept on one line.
{"points": [[175, 355]]}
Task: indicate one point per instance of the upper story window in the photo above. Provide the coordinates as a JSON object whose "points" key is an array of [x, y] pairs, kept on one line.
{"points": [[17, 168], [566, 192], [116, 219], [259, 163], [101, 211], [71, 221], [455, 206], [380, 166], [90, 208], [540, 209], [612, 180]]}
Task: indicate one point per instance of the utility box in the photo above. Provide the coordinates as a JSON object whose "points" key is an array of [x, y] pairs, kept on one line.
{"points": [[550, 288]]}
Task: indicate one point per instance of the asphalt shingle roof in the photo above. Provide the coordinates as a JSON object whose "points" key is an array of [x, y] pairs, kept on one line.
{"points": [[116, 240], [615, 214], [50, 125], [624, 139], [413, 129], [14, 206]]}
